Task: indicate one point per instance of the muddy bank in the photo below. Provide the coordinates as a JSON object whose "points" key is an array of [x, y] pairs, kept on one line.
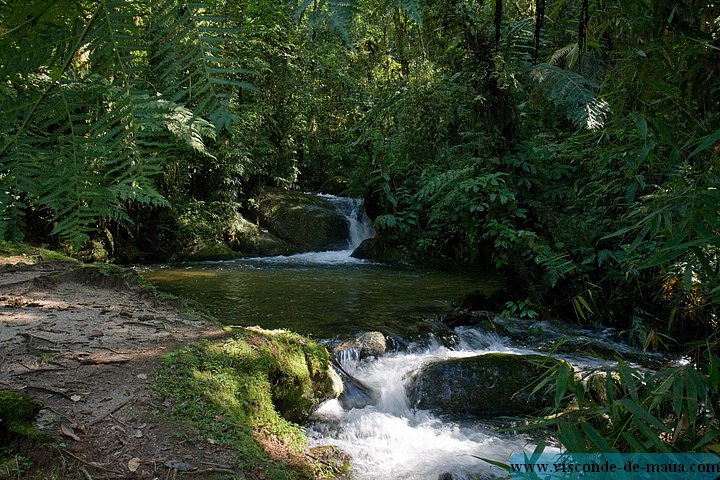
{"points": [[85, 341]]}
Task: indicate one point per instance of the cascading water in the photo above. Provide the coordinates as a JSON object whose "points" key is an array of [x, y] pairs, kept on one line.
{"points": [[391, 440], [332, 295], [359, 229], [359, 224]]}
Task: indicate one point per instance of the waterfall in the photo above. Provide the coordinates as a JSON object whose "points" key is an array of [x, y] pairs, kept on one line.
{"points": [[359, 229], [359, 224]]}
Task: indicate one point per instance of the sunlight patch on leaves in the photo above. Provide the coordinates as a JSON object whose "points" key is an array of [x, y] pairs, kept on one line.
{"points": [[574, 93]]}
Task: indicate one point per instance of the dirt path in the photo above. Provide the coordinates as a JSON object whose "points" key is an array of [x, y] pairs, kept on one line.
{"points": [[85, 344]]}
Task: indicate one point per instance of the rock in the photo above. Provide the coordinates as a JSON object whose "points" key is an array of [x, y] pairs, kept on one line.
{"points": [[364, 250], [489, 385], [206, 250], [463, 318], [369, 344], [248, 239], [596, 387], [356, 394], [381, 249], [307, 222]]}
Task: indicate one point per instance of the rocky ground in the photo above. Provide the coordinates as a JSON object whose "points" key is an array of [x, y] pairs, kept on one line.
{"points": [[84, 342]]}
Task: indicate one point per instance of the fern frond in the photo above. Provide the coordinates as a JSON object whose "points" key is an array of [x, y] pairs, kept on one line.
{"points": [[565, 56], [190, 59], [519, 37], [574, 93], [87, 141], [440, 184]]}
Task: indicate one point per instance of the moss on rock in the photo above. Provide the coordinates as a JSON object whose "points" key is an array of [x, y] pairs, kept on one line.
{"points": [[17, 412], [248, 239], [248, 391], [307, 222], [205, 250], [489, 385]]}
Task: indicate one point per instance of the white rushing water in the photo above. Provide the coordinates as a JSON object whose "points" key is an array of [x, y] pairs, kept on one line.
{"points": [[393, 441], [359, 224]]}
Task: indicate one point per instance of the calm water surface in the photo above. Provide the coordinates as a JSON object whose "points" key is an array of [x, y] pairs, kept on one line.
{"points": [[325, 294]]}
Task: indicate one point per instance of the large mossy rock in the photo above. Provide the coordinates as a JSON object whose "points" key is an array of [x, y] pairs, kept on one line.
{"points": [[491, 385], [256, 376], [307, 222], [202, 250], [248, 239], [252, 389]]}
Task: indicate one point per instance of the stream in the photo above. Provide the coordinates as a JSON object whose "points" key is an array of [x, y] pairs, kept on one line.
{"points": [[331, 296]]}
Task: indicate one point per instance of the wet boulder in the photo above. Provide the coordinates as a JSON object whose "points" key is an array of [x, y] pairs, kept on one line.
{"points": [[249, 239], [369, 344], [383, 250], [364, 251], [202, 250], [355, 393], [491, 385], [307, 222]]}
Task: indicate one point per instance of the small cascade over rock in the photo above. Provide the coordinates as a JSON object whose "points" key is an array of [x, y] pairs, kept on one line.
{"points": [[388, 436], [359, 224], [314, 223]]}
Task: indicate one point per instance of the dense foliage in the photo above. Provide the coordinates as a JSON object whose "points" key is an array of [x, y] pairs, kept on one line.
{"points": [[571, 146]]}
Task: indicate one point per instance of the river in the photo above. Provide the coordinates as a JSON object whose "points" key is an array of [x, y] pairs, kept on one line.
{"points": [[332, 296]]}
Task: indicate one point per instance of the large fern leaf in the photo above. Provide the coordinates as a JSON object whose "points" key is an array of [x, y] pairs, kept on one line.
{"points": [[85, 125], [574, 93]]}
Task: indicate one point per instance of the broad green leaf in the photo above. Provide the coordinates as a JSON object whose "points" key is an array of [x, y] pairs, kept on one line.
{"points": [[598, 440], [641, 413]]}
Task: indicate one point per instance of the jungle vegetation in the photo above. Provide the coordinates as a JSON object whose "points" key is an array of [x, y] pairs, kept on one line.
{"points": [[571, 146]]}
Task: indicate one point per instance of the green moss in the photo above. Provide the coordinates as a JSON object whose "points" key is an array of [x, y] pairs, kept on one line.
{"points": [[248, 391], [32, 254], [17, 412], [206, 249], [490, 385]]}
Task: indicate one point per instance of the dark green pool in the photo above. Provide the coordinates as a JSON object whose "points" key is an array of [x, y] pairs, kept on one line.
{"points": [[326, 296]]}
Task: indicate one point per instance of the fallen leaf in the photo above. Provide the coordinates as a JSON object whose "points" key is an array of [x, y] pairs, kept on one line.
{"points": [[69, 432], [117, 427], [134, 464], [141, 376], [76, 398], [138, 434]]}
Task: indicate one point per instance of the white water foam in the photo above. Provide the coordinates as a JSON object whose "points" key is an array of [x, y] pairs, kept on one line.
{"points": [[391, 440], [359, 224]]}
